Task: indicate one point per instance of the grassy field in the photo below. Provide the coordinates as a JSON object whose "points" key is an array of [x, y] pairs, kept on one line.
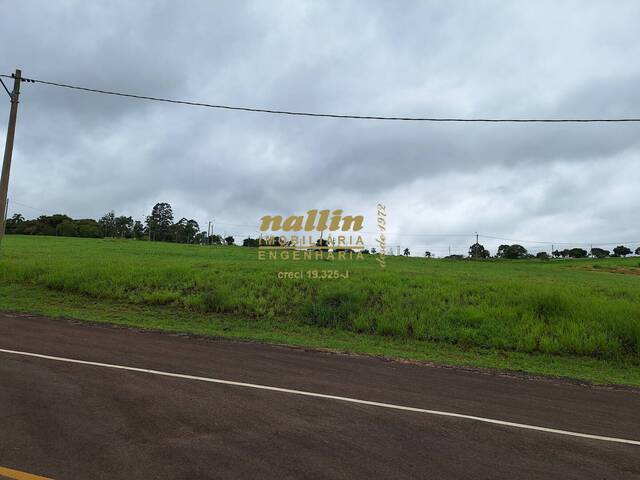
{"points": [[576, 318]]}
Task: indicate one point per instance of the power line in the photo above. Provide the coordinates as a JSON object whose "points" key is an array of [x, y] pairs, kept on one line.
{"points": [[6, 89], [331, 115], [558, 243], [41, 210]]}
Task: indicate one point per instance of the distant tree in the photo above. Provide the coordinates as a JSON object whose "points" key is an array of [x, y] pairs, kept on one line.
{"points": [[577, 253], [365, 251], [47, 224], [43, 225], [250, 242], [599, 252], [200, 238], [35, 227], [621, 251], [542, 255], [13, 223], [123, 227], [54, 220], [229, 240], [454, 257], [638, 251], [556, 253], [185, 230], [321, 242], [67, 228], [478, 251], [373, 251], [215, 240], [108, 224], [514, 251], [138, 230], [427, 254], [89, 228], [192, 229], [160, 221]]}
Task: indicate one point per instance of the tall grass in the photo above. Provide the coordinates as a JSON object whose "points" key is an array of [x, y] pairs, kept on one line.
{"points": [[559, 307]]}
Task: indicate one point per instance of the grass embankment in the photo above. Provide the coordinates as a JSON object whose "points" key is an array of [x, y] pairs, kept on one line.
{"points": [[562, 318]]}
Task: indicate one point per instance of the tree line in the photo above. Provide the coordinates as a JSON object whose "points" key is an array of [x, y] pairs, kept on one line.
{"points": [[158, 226], [517, 251]]}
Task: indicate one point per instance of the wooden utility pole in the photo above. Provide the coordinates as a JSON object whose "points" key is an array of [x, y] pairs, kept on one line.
{"points": [[476, 248], [8, 151]]}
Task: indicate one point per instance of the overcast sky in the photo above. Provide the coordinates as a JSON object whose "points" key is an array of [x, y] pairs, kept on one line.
{"points": [[84, 154]]}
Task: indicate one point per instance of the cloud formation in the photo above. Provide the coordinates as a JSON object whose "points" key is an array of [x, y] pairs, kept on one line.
{"points": [[84, 154]]}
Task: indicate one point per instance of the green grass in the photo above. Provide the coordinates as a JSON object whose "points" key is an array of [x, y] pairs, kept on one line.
{"points": [[578, 318]]}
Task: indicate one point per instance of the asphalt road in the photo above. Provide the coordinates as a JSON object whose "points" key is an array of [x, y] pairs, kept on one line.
{"points": [[67, 420]]}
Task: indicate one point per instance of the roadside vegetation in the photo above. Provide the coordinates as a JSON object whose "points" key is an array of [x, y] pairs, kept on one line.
{"points": [[160, 226], [577, 318]]}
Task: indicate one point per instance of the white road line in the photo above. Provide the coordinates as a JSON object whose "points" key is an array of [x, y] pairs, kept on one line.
{"points": [[329, 397]]}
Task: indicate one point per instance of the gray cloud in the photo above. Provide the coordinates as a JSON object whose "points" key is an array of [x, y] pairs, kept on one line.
{"points": [[85, 154]]}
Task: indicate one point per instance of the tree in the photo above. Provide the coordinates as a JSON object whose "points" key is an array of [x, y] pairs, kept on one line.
{"points": [[89, 228], [138, 230], [108, 224], [621, 251], [556, 253], [13, 223], [160, 221], [123, 226], [638, 251], [184, 231], [577, 253], [427, 254], [250, 242], [215, 240], [321, 242], [406, 252], [191, 230], [542, 255], [229, 240], [514, 251], [67, 228], [600, 252], [478, 251], [373, 251]]}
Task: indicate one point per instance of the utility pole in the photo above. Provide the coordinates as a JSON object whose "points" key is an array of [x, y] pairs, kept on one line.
{"points": [[8, 151], [475, 253]]}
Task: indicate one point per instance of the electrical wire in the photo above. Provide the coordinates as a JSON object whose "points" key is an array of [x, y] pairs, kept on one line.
{"points": [[329, 115], [6, 89], [557, 243]]}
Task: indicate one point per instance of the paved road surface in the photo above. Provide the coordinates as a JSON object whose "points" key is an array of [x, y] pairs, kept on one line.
{"points": [[67, 420]]}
